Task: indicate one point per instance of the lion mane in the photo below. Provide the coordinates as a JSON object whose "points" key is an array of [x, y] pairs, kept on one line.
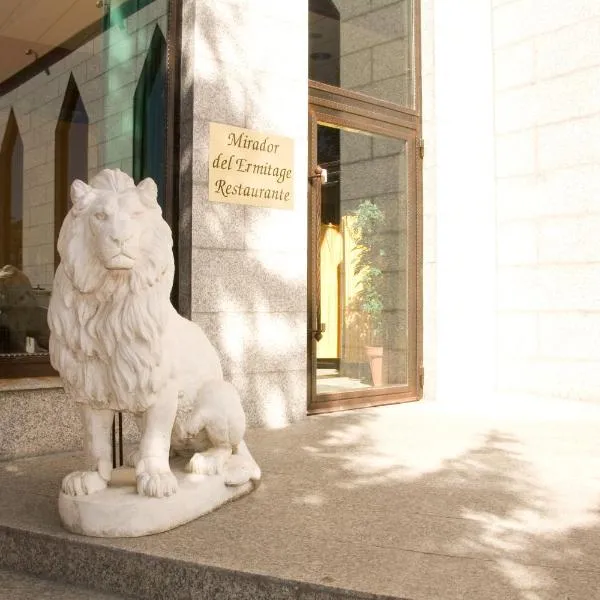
{"points": [[107, 325]]}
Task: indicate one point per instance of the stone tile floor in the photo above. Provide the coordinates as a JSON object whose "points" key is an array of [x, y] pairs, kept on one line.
{"points": [[410, 501]]}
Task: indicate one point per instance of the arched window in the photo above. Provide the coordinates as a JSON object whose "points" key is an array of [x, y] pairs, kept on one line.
{"points": [[150, 117], [71, 151], [11, 196]]}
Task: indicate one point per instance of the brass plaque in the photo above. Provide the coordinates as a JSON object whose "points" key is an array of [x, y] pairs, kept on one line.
{"points": [[250, 167]]}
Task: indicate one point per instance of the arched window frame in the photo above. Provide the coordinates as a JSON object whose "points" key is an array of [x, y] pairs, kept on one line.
{"points": [[11, 185], [65, 169], [155, 66]]}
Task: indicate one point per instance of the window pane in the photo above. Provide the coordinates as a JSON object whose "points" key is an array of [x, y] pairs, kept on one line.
{"points": [[70, 153], [363, 261], [67, 97], [365, 46], [149, 107]]}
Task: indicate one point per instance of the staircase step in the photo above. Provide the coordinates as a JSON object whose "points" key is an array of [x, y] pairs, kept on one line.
{"points": [[19, 586], [104, 570]]}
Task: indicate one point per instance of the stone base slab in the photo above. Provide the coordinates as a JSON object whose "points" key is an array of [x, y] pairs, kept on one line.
{"points": [[119, 511]]}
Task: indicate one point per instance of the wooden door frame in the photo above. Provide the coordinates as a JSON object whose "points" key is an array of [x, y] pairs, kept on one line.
{"points": [[345, 109]]}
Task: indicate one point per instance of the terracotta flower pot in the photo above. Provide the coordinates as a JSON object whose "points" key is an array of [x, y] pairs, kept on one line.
{"points": [[375, 356]]}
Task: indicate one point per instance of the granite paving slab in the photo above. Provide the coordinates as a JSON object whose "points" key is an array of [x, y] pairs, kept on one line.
{"points": [[393, 502]]}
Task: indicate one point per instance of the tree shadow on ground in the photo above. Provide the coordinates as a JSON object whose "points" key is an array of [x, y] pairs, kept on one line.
{"points": [[477, 512]]}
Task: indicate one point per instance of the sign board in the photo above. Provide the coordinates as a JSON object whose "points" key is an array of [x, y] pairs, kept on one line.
{"points": [[250, 167]]}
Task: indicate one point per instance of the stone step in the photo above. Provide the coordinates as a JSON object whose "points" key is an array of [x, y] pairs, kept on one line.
{"points": [[20, 586], [41, 565]]}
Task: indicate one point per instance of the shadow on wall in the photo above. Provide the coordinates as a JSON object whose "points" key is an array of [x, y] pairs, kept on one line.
{"points": [[517, 500], [247, 265]]}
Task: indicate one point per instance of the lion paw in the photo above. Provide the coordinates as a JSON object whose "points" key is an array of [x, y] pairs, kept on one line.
{"points": [[239, 470], [206, 464], [82, 483], [236, 476], [157, 485]]}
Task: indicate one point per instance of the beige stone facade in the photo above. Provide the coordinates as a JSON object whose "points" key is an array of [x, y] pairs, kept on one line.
{"points": [[547, 127], [512, 166], [511, 282]]}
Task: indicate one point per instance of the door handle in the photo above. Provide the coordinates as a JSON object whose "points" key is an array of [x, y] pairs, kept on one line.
{"points": [[318, 333], [320, 173]]}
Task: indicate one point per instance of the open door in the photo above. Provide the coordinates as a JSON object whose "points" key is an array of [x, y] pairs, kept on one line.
{"points": [[364, 261]]}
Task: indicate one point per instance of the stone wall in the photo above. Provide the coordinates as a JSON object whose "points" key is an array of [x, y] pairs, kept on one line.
{"points": [[511, 271], [547, 132], [376, 49], [459, 202], [248, 264]]}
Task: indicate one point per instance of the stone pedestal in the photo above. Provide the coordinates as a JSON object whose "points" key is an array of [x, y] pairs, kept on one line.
{"points": [[119, 511]]}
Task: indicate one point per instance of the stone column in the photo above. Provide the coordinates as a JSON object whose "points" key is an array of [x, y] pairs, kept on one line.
{"points": [[465, 202], [247, 67]]}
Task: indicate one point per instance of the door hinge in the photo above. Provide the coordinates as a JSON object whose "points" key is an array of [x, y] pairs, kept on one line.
{"points": [[421, 377], [421, 147]]}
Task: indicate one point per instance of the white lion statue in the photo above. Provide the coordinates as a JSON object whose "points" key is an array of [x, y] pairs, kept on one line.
{"points": [[119, 345]]}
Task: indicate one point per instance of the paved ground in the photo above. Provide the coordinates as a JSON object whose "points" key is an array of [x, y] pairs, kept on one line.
{"points": [[412, 501]]}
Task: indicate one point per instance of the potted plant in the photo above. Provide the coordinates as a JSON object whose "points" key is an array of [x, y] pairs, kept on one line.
{"points": [[368, 301]]}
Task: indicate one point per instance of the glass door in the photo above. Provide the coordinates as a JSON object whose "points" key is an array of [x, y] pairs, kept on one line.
{"points": [[364, 337]]}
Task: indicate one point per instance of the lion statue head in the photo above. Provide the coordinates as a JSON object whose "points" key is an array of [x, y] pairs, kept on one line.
{"points": [[111, 293], [115, 230]]}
